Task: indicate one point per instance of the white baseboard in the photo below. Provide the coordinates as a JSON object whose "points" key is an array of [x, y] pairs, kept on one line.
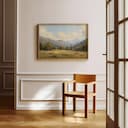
{"points": [[100, 105]]}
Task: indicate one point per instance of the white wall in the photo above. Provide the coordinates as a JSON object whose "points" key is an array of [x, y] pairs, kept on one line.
{"points": [[33, 12]]}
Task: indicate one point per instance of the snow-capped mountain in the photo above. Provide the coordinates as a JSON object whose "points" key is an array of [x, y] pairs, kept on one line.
{"points": [[60, 43]]}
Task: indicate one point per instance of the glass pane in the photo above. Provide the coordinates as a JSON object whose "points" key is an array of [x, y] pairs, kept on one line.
{"points": [[126, 114], [121, 78], [108, 45], [111, 14], [121, 41], [111, 105], [111, 76], [121, 9], [121, 113], [108, 18], [108, 75], [126, 8], [108, 103], [111, 47], [126, 39], [126, 81]]}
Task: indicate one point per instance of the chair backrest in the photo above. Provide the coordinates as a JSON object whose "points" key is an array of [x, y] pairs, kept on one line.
{"points": [[84, 78]]}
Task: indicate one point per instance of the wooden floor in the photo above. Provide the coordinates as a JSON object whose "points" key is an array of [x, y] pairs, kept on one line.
{"points": [[50, 119]]}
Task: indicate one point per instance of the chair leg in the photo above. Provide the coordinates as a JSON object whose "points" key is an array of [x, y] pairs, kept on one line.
{"points": [[86, 102], [74, 99], [74, 104], [94, 98], [63, 105], [94, 104], [63, 99]]}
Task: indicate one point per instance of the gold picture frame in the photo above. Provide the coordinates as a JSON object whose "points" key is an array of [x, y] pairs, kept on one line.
{"points": [[62, 41]]}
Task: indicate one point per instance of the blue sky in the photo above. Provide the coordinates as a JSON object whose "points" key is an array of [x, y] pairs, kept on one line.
{"points": [[63, 32], [63, 28]]}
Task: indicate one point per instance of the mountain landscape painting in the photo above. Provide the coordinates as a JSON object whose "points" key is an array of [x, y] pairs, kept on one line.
{"points": [[62, 41]]}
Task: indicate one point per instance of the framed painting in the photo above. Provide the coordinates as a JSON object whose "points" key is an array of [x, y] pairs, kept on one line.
{"points": [[62, 41]]}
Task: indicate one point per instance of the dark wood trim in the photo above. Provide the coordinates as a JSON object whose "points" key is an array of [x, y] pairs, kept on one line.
{"points": [[7, 102], [10, 67], [123, 59], [108, 1], [15, 55], [104, 54], [110, 122], [116, 65], [7, 60], [3, 49], [126, 99], [123, 21], [78, 96], [108, 89], [111, 32], [111, 62], [4, 73], [4, 33], [123, 97]]}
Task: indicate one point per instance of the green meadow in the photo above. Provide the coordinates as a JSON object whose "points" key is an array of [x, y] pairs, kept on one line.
{"points": [[62, 54]]}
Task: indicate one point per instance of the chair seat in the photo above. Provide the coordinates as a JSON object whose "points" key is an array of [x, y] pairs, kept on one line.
{"points": [[78, 93]]}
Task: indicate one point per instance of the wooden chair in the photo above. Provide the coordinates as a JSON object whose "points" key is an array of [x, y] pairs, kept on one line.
{"points": [[87, 80]]}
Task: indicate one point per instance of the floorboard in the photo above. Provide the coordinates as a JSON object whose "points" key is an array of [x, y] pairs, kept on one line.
{"points": [[50, 119]]}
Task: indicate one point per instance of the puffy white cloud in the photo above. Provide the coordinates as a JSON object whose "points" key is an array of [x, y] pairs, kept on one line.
{"points": [[70, 36], [80, 34], [42, 30]]}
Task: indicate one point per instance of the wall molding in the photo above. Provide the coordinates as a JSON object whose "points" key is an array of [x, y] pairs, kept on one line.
{"points": [[7, 67], [4, 60], [24, 103], [4, 81], [56, 73], [23, 99], [57, 105], [63, 74]]}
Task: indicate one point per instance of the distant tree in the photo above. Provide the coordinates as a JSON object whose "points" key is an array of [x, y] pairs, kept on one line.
{"points": [[67, 48], [49, 46], [46, 46], [71, 47], [41, 47], [62, 47]]}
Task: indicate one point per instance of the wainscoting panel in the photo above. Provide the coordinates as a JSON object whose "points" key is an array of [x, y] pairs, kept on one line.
{"points": [[8, 80], [7, 46], [8, 26], [44, 92], [41, 90]]}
